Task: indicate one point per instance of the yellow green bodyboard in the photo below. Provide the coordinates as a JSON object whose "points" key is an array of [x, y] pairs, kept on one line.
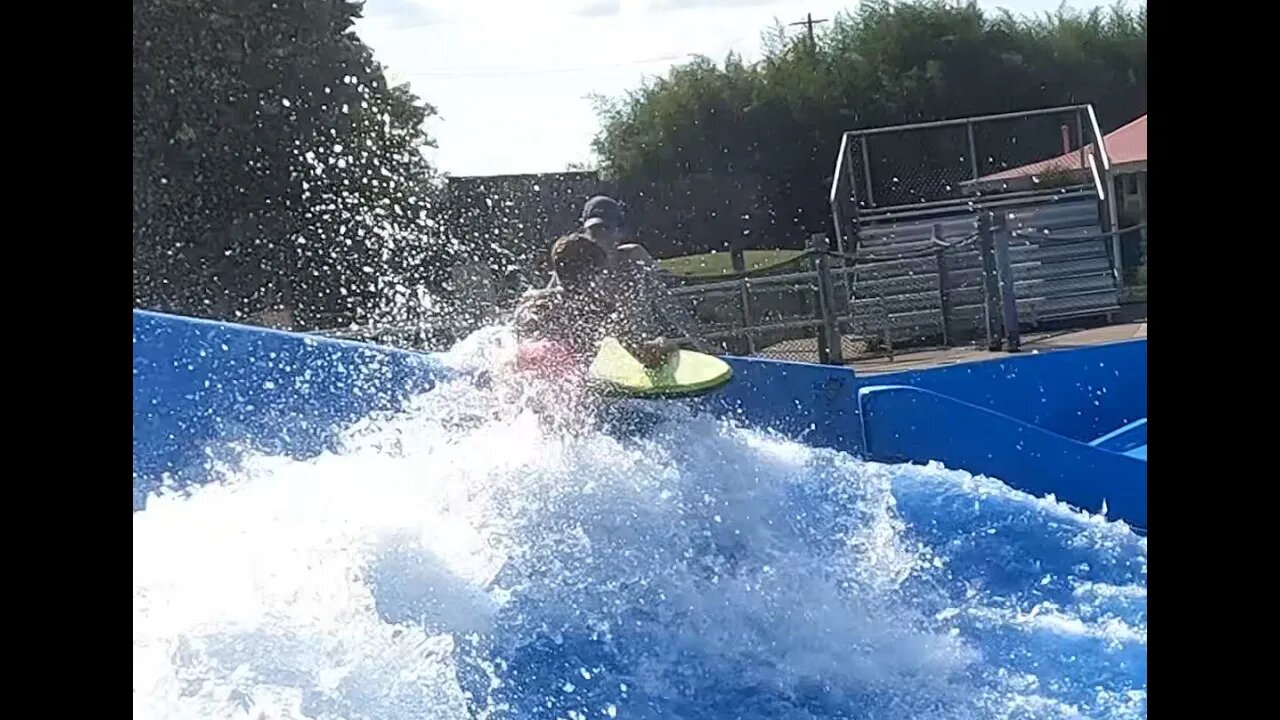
{"points": [[684, 373]]}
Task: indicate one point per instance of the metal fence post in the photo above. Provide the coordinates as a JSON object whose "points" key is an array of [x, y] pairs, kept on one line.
{"points": [[990, 281], [1008, 294], [830, 330], [1113, 211], [973, 150], [944, 286], [738, 258], [866, 170]]}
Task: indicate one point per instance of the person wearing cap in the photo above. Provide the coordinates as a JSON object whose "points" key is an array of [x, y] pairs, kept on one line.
{"points": [[586, 307], [604, 221]]}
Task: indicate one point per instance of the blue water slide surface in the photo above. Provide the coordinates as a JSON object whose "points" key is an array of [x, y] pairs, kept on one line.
{"points": [[1070, 422], [198, 384]]}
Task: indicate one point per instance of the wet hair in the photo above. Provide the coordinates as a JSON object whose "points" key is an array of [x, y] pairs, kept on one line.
{"points": [[575, 257]]}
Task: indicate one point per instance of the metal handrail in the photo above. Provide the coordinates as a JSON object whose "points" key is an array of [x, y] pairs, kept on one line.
{"points": [[1097, 180], [734, 285], [834, 195], [799, 278], [1097, 140], [972, 205], [848, 134], [838, 188], [838, 182], [962, 121]]}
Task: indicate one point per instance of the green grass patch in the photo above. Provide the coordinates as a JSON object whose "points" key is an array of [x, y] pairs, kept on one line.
{"points": [[1134, 289], [717, 264], [1133, 294]]}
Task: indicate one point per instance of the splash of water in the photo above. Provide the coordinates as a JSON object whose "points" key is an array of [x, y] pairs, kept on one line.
{"points": [[459, 559]]}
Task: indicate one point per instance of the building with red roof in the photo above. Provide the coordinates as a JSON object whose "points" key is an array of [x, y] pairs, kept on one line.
{"points": [[1126, 148], [1126, 179]]}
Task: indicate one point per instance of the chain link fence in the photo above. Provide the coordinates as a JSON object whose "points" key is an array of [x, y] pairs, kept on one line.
{"points": [[972, 279]]}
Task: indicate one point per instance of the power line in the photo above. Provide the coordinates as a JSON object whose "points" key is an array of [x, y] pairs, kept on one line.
{"points": [[495, 71]]}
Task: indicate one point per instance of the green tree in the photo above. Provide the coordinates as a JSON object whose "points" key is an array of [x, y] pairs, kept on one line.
{"points": [[884, 63], [271, 162]]}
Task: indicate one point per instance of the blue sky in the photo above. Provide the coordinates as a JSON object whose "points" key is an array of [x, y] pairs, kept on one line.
{"points": [[510, 77]]}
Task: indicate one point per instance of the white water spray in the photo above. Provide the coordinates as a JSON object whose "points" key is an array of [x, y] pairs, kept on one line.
{"points": [[459, 560]]}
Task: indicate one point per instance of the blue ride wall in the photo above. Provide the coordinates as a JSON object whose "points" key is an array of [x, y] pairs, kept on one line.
{"points": [[197, 383], [1080, 394], [1026, 419]]}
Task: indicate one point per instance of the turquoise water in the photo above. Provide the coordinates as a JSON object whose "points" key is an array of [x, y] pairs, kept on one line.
{"points": [[462, 560]]}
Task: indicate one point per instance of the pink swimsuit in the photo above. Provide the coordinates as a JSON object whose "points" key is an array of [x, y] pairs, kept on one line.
{"points": [[547, 359]]}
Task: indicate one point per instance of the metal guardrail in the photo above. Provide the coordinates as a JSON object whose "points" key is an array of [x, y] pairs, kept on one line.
{"points": [[1013, 270], [892, 273], [921, 282], [955, 159]]}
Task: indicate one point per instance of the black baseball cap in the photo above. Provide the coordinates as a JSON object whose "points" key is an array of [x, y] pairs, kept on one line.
{"points": [[602, 210]]}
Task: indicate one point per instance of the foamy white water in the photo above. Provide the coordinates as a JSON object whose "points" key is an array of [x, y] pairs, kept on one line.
{"points": [[457, 560]]}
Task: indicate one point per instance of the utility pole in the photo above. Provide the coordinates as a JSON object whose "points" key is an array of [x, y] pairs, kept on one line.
{"points": [[809, 22]]}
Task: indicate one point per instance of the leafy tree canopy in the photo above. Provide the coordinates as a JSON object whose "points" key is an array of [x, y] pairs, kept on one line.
{"points": [[271, 162], [884, 63]]}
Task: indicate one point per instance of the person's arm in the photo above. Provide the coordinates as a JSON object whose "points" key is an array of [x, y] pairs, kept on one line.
{"points": [[664, 302], [651, 352], [636, 327], [553, 285], [533, 312]]}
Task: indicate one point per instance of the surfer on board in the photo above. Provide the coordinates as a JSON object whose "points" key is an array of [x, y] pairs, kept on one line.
{"points": [[559, 331], [634, 273], [590, 301]]}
